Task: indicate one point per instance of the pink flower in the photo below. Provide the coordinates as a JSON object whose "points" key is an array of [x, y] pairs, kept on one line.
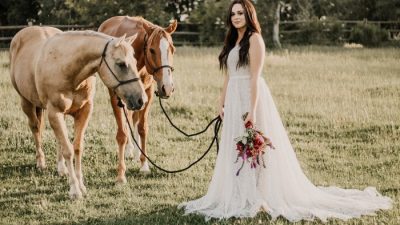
{"points": [[254, 148]]}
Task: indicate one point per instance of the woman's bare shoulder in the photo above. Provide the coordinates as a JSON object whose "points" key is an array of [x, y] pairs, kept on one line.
{"points": [[256, 40]]}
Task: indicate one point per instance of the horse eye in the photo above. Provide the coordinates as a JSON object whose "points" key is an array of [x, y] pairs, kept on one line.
{"points": [[152, 51], [121, 65]]}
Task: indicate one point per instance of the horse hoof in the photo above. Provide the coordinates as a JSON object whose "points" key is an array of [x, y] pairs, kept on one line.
{"points": [[145, 168], [136, 155], [62, 173], [75, 194], [129, 152], [83, 190], [62, 169], [41, 165], [121, 180]]}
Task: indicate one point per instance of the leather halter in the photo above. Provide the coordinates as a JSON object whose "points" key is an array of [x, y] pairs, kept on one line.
{"points": [[103, 58], [146, 61]]}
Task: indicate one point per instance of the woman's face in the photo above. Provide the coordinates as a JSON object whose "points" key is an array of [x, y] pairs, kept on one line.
{"points": [[238, 18]]}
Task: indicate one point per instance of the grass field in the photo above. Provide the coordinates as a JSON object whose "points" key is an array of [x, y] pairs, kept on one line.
{"points": [[341, 108]]}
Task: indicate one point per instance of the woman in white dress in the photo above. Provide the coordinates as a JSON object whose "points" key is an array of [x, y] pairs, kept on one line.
{"points": [[280, 189]]}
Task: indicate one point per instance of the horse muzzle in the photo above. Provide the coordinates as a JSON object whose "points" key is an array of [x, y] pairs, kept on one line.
{"points": [[164, 93], [162, 96], [133, 103]]}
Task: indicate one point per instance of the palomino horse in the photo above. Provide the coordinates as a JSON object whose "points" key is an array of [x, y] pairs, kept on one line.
{"points": [[54, 70], [153, 51]]}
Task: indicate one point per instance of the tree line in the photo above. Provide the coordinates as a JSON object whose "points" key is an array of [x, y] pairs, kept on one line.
{"points": [[210, 14]]}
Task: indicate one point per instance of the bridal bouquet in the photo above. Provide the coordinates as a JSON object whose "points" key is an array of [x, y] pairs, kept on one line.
{"points": [[251, 146]]}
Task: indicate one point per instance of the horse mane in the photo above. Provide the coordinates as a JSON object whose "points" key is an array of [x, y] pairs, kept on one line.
{"points": [[161, 32], [143, 20], [88, 33], [156, 28]]}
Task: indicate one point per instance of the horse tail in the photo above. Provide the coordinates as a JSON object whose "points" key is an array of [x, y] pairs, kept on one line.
{"points": [[14, 49]]}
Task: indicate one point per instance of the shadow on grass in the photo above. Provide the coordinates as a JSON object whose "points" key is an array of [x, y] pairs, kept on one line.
{"points": [[395, 191], [22, 170], [173, 215], [134, 173]]}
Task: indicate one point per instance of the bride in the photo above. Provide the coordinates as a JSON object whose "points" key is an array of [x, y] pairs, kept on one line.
{"points": [[280, 189]]}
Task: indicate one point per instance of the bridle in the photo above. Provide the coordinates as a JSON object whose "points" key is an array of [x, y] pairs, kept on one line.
{"points": [[146, 61], [103, 58]]}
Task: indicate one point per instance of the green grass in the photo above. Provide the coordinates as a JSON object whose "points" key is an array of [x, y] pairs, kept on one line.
{"points": [[340, 108]]}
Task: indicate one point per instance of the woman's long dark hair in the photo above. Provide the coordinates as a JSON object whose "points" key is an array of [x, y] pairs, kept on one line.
{"points": [[252, 26]]}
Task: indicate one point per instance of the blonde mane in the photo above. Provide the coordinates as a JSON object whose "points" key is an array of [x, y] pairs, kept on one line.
{"points": [[88, 33]]}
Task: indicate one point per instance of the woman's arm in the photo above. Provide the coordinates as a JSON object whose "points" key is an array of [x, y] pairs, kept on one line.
{"points": [[256, 61], [222, 97]]}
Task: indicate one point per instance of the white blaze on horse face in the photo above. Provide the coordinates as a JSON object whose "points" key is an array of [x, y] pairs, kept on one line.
{"points": [[167, 77]]}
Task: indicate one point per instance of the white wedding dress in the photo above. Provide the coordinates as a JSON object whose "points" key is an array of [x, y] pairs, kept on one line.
{"points": [[280, 189]]}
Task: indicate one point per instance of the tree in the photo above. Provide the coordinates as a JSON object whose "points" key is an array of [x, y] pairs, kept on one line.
{"points": [[13, 12], [94, 12], [182, 9], [357, 9], [276, 21], [211, 16], [269, 14], [57, 12]]}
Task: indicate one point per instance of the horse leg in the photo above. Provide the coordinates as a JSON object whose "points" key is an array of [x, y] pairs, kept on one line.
{"points": [[135, 119], [122, 137], [81, 120], [143, 129], [61, 168], [40, 117], [130, 146], [36, 124], [57, 123]]}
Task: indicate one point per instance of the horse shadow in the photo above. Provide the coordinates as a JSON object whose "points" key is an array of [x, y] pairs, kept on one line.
{"points": [[134, 173], [24, 170], [169, 214]]}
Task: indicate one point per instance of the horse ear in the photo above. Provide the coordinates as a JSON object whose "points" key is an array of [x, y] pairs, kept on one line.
{"points": [[172, 27], [120, 39], [147, 28], [131, 39]]}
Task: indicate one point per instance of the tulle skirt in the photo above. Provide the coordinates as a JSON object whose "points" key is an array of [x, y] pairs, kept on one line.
{"points": [[280, 189]]}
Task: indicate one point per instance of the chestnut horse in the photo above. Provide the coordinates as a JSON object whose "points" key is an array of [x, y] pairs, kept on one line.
{"points": [[54, 71], [153, 51]]}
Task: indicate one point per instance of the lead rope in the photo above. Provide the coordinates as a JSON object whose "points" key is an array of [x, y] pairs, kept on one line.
{"points": [[217, 126]]}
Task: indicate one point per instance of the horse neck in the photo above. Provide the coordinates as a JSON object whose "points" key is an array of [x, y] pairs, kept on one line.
{"points": [[139, 50], [86, 54]]}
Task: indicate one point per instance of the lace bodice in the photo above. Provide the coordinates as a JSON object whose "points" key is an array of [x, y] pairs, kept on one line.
{"points": [[233, 70]]}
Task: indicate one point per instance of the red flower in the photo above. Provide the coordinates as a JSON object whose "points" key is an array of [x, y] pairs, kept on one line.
{"points": [[251, 146], [239, 146], [248, 125], [258, 141]]}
